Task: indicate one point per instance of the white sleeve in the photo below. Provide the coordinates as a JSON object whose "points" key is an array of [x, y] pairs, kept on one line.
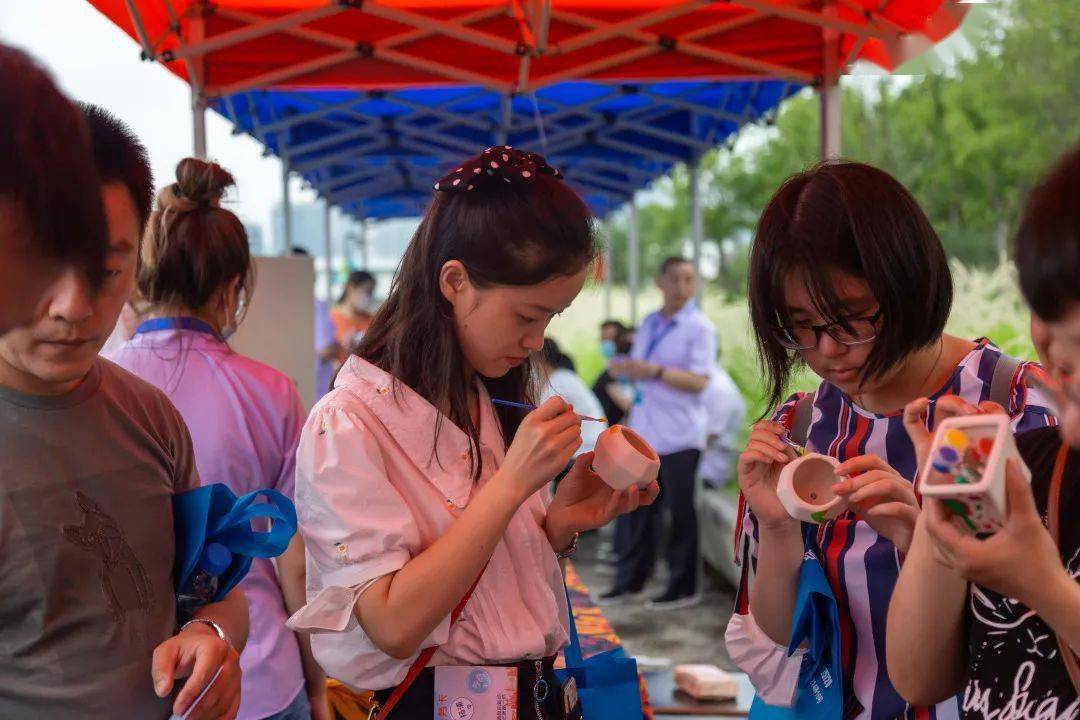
{"points": [[356, 526], [774, 675]]}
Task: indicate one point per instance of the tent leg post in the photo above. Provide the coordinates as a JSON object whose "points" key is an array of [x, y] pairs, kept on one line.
{"points": [[829, 92], [286, 210], [634, 261]]}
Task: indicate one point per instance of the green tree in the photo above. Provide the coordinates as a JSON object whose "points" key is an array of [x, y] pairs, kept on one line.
{"points": [[969, 142]]}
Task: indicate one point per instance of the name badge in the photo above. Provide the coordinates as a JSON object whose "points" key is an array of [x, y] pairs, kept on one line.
{"points": [[468, 692]]}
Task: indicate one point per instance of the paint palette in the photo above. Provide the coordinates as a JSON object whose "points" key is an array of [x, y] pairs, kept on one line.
{"points": [[966, 470], [805, 488]]}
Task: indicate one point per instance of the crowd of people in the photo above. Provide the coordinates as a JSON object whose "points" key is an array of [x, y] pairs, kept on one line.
{"points": [[431, 529]]}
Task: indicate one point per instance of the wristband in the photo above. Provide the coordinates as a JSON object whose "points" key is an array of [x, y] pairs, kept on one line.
{"points": [[571, 548], [217, 628]]}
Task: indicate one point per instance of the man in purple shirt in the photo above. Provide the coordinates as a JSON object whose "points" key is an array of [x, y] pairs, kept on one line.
{"points": [[672, 359]]}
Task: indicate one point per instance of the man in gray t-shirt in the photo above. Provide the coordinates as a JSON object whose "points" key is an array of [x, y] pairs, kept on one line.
{"points": [[86, 545], [90, 457]]}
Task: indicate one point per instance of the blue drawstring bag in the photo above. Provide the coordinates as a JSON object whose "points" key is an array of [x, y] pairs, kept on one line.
{"points": [[820, 692], [607, 683], [213, 514]]}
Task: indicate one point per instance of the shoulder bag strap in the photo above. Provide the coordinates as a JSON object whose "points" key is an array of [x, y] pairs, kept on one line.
{"points": [[1053, 522], [802, 417], [1001, 383], [381, 712]]}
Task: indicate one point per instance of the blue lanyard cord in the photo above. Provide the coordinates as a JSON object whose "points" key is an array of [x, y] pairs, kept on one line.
{"points": [[177, 323], [655, 339]]}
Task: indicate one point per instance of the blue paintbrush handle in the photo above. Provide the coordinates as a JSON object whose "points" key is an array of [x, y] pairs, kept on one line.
{"points": [[527, 406]]}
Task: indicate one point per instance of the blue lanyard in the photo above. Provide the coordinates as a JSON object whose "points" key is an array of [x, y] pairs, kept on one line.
{"points": [[655, 339], [177, 323]]}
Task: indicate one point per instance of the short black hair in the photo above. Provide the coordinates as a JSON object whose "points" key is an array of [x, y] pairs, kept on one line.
{"points": [[47, 170], [361, 277], [1047, 243], [613, 323], [121, 157], [859, 220], [298, 251], [672, 260]]}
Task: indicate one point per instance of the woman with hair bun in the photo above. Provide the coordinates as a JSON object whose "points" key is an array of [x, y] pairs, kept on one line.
{"points": [[196, 276]]}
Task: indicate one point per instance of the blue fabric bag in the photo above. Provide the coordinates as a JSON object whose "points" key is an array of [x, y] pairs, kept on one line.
{"points": [[213, 514], [820, 692], [607, 683]]}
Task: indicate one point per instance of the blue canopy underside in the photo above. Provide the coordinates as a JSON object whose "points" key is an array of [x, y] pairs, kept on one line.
{"points": [[377, 154]]}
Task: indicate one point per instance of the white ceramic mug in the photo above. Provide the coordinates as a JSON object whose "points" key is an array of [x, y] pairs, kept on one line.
{"points": [[805, 488], [624, 459]]}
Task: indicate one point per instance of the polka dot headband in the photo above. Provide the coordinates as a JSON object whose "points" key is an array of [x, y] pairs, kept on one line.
{"points": [[499, 165]]}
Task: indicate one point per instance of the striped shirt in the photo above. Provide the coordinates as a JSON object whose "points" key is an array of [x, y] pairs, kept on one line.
{"points": [[862, 566]]}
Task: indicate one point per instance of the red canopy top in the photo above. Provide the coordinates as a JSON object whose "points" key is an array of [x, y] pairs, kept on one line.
{"points": [[235, 45]]}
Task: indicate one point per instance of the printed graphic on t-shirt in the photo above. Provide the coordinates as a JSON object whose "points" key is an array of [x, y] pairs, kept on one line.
{"points": [[123, 580], [1037, 689]]}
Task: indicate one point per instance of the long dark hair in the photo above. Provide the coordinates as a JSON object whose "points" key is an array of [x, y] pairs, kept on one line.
{"points": [[512, 234], [860, 220]]}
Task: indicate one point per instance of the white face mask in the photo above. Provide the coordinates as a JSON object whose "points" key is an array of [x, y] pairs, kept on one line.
{"points": [[232, 322], [364, 304]]}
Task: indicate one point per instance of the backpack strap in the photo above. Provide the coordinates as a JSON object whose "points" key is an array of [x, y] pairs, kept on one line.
{"points": [[801, 418], [1002, 382]]}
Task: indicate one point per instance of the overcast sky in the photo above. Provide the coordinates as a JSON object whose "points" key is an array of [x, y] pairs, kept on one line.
{"points": [[95, 61]]}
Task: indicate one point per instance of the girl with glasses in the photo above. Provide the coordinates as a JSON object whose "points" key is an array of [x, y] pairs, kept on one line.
{"points": [[848, 278]]}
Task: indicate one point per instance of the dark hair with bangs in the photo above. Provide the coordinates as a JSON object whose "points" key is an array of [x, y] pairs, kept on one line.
{"points": [[1047, 243], [47, 169], [858, 220], [517, 234]]}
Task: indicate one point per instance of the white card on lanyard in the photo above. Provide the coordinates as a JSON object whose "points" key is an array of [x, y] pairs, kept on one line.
{"points": [[469, 692]]}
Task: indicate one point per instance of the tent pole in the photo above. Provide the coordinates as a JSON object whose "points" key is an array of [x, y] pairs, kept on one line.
{"points": [[609, 275], [696, 223], [328, 251], [829, 92], [197, 28], [365, 254], [198, 124], [506, 113], [286, 210], [633, 260]]}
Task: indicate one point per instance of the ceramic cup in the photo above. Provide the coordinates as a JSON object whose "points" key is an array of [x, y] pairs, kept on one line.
{"points": [[805, 488], [624, 459]]}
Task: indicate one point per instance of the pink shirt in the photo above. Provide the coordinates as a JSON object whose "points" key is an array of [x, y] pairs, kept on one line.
{"points": [[245, 420], [371, 495]]}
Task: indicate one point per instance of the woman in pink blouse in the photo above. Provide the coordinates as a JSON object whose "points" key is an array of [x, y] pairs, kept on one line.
{"points": [[411, 484]]}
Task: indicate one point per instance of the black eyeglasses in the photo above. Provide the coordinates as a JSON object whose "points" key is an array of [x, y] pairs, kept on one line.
{"points": [[849, 331]]}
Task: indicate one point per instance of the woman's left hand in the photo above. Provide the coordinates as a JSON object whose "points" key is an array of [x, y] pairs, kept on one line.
{"points": [[881, 496], [585, 502]]}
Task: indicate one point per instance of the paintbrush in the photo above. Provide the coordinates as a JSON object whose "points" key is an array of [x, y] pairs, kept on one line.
{"points": [[799, 449], [528, 406]]}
